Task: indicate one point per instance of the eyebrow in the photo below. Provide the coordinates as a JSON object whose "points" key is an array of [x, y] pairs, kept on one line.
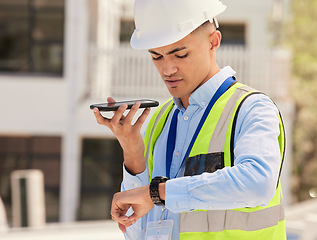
{"points": [[171, 52]]}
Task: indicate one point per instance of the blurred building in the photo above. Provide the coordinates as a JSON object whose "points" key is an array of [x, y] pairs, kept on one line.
{"points": [[58, 57]]}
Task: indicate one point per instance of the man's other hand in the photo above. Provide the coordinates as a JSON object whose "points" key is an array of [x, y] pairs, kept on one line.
{"points": [[138, 199]]}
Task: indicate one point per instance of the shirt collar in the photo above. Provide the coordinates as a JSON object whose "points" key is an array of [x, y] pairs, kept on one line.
{"points": [[205, 92]]}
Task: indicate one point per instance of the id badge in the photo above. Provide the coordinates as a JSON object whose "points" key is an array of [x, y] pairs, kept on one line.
{"points": [[159, 230]]}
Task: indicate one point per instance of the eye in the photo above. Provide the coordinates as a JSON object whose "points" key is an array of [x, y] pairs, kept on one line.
{"points": [[182, 56], [157, 58]]}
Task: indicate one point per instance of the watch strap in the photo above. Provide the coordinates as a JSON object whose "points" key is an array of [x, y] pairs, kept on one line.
{"points": [[154, 190]]}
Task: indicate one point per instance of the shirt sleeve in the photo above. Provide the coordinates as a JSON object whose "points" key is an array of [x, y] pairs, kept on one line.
{"points": [[134, 181], [252, 180]]}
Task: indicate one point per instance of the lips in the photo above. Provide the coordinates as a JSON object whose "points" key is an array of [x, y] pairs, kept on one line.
{"points": [[172, 82]]}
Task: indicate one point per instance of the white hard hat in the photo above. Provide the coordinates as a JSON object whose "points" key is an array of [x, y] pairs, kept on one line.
{"points": [[163, 22]]}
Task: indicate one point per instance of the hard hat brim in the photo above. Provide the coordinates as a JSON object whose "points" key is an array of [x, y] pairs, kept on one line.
{"points": [[162, 40]]}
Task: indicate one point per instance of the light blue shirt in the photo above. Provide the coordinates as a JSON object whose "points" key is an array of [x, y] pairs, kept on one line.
{"points": [[251, 182]]}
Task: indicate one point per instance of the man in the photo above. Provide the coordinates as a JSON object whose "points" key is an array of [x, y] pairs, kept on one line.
{"points": [[219, 143]]}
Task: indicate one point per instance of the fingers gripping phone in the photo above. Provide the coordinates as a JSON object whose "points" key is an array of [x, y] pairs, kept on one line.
{"points": [[105, 107]]}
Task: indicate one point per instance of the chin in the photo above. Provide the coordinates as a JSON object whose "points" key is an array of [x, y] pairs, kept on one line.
{"points": [[174, 93]]}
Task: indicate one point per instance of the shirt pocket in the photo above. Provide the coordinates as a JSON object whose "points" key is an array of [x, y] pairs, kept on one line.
{"points": [[199, 164]]}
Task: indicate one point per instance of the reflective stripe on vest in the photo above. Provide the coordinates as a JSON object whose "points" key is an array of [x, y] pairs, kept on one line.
{"points": [[220, 220], [217, 142], [217, 136], [153, 130]]}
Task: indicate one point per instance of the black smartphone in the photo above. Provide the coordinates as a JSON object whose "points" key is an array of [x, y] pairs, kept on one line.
{"points": [[104, 107]]}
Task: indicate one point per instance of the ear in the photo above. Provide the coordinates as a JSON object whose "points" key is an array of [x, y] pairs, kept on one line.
{"points": [[215, 39]]}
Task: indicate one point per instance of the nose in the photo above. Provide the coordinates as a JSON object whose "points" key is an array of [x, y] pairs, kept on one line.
{"points": [[169, 68]]}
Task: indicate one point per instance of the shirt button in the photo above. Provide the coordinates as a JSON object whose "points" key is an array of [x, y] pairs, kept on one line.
{"points": [[177, 154], [135, 184], [186, 118], [203, 103]]}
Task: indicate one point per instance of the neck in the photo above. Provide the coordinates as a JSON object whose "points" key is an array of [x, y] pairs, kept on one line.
{"points": [[185, 99], [185, 102]]}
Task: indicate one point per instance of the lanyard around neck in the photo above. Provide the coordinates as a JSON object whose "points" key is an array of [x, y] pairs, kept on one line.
{"points": [[171, 139]]}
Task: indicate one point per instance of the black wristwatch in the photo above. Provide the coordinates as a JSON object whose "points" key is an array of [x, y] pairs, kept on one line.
{"points": [[154, 190]]}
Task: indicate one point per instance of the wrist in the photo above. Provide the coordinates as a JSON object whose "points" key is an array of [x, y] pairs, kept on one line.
{"points": [[162, 190], [134, 164]]}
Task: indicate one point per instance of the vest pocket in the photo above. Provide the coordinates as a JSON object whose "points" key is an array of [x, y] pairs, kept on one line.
{"points": [[199, 164]]}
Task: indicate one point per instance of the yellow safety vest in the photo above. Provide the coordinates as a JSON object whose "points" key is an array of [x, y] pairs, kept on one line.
{"points": [[216, 136]]}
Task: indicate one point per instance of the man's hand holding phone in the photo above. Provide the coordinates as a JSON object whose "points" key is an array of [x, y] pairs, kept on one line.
{"points": [[128, 134]]}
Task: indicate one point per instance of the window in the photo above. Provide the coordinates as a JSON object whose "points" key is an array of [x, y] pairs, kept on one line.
{"points": [[43, 153], [102, 161], [31, 36], [233, 34], [126, 30]]}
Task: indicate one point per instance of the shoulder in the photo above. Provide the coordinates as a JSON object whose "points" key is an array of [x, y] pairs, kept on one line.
{"points": [[257, 109], [257, 101]]}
